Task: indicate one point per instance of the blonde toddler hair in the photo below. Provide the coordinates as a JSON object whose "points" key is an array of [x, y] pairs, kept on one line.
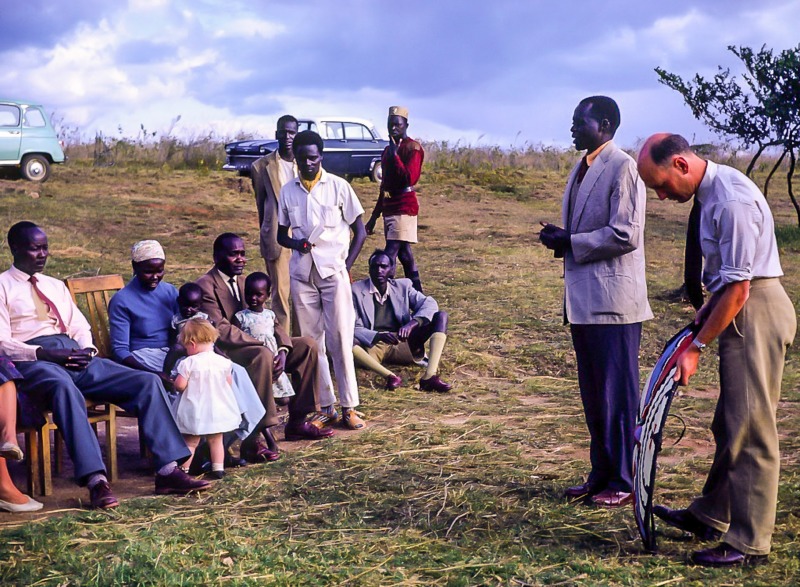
{"points": [[198, 331]]}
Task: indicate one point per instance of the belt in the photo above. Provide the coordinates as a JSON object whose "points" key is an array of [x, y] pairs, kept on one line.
{"points": [[408, 190]]}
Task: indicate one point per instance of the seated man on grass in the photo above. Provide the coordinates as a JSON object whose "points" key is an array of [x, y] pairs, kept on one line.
{"points": [[393, 323]]}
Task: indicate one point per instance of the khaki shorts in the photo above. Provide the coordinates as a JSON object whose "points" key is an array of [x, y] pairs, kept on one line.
{"points": [[400, 228], [396, 354]]}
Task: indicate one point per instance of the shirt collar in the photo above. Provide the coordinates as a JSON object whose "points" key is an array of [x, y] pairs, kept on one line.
{"points": [[375, 292], [226, 278], [20, 275], [590, 157], [708, 179]]}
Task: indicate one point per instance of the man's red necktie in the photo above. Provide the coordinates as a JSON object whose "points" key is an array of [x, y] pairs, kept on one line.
{"points": [[50, 305]]}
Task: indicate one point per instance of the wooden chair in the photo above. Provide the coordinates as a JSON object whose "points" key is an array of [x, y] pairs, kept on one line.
{"points": [[93, 293], [37, 447]]}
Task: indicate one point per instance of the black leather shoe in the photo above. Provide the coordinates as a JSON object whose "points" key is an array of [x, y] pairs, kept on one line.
{"points": [[582, 490], [684, 520], [725, 555]]}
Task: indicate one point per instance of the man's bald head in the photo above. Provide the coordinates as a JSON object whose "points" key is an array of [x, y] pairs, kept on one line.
{"points": [[668, 166]]}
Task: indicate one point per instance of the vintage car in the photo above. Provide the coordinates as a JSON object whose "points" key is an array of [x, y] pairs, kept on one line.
{"points": [[353, 147], [27, 139]]}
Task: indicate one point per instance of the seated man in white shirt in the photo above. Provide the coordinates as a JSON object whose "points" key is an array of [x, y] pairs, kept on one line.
{"points": [[50, 341]]}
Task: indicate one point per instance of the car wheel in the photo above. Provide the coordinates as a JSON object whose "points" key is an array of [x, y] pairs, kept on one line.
{"points": [[35, 168], [377, 173]]}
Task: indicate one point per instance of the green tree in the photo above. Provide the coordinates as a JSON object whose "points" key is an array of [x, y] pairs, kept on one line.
{"points": [[760, 107]]}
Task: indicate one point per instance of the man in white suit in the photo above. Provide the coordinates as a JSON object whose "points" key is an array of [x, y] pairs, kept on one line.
{"points": [[605, 300]]}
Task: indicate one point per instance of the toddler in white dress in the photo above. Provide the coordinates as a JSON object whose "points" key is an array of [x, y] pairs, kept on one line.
{"points": [[207, 406]]}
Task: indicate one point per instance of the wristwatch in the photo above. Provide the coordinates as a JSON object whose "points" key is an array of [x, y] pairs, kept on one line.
{"points": [[700, 346]]}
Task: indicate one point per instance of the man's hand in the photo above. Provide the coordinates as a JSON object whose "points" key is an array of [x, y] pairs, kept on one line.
{"points": [[278, 363], [554, 238], [77, 359], [169, 383], [387, 337], [304, 246], [370, 225], [406, 330], [687, 365]]}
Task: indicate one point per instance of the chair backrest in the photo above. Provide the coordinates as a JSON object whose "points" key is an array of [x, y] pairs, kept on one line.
{"points": [[92, 294]]}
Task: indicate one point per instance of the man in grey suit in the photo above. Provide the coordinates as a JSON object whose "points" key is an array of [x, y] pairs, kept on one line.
{"points": [[605, 298], [393, 323]]}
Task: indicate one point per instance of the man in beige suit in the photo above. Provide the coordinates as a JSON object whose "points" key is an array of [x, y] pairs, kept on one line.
{"points": [[269, 174], [605, 298]]}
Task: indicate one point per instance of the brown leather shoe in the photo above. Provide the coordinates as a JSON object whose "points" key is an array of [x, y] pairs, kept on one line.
{"points": [[725, 555], [179, 483], [608, 498], [684, 520], [314, 430], [434, 384], [101, 498], [256, 451], [582, 490], [352, 420]]}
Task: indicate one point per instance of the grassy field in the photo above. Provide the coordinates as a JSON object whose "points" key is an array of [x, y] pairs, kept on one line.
{"points": [[463, 489]]}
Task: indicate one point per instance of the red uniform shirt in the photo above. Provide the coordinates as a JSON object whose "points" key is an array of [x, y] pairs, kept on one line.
{"points": [[400, 172]]}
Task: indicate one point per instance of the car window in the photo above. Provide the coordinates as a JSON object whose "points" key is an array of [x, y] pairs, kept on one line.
{"points": [[306, 125], [33, 118], [9, 115], [334, 130], [356, 132]]}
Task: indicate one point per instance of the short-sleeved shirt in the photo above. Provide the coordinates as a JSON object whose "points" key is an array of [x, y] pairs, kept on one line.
{"points": [[323, 216], [737, 231]]}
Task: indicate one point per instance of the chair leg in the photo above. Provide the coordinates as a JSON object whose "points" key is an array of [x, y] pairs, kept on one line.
{"points": [[47, 476], [32, 458], [111, 444], [58, 448]]}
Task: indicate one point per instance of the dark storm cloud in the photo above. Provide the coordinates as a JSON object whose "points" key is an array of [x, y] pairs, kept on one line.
{"points": [[41, 23]]}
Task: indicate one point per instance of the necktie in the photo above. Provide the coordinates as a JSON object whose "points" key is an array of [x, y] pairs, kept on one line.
{"points": [[234, 289], [51, 307], [693, 258]]}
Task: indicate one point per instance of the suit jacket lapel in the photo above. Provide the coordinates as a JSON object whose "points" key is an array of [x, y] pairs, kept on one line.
{"points": [[274, 173], [565, 221], [369, 307], [224, 295], [397, 301], [591, 177]]}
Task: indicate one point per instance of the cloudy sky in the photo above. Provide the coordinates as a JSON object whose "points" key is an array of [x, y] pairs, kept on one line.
{"points": [[504, 72]]}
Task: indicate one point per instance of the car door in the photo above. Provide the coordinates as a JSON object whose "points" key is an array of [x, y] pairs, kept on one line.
{"points": [[10, 132], [336, 158], [363, 148]]}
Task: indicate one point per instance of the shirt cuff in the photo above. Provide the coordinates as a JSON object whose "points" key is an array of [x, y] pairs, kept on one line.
{"points": [[733, 274]]}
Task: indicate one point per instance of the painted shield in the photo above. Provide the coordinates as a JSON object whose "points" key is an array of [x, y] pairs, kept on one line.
{"points": [[653, 411]]}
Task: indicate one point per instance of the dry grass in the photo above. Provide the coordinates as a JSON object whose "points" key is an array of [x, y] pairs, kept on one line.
{"points": [[456, 490]]}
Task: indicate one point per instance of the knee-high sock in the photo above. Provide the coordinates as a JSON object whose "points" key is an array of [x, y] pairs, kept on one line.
{"points": [[365, 360], [434, 356]]}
